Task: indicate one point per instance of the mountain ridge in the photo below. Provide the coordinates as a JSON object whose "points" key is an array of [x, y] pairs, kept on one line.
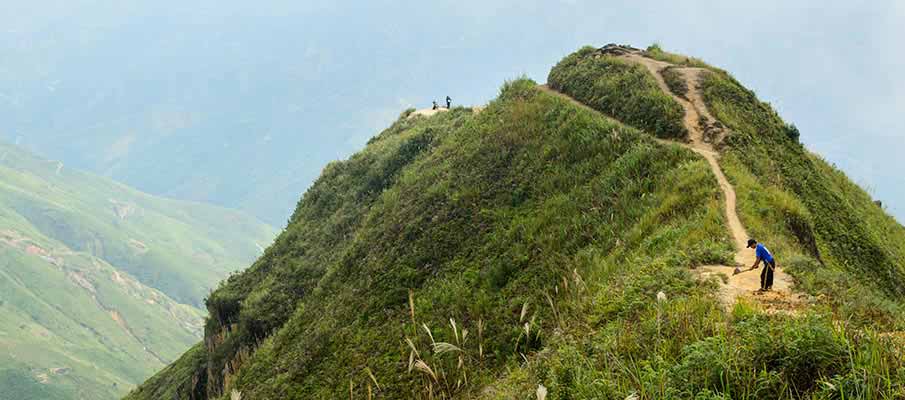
{"points": [[701, 139], [544, 246]]}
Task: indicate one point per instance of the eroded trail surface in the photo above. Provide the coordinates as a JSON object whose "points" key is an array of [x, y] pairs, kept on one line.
{"points": [[697, 120], [704, 131]]}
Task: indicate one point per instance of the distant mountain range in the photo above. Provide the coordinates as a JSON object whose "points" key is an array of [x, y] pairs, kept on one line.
{"points": [[238, 115], [100, 284]]}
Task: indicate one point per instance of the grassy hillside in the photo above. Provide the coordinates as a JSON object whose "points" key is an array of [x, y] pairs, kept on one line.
{"points": [[496, 208], [95, 277], [619, 89], [849, 250], [180, 248], [541, 243]]}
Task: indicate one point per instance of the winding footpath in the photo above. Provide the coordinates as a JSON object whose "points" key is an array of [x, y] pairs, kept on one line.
{"points": [[745, 284]]}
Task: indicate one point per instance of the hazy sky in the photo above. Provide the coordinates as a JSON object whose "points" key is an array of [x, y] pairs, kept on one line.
{"points": [[834, 68]]}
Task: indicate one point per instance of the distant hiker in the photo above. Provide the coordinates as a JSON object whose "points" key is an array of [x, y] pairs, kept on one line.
{"points": [[448, 102], [766, 276], [435, 105]]}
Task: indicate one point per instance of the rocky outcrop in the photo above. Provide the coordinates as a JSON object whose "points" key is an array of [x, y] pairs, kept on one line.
{"points": [[613, 49], [713, 131]]}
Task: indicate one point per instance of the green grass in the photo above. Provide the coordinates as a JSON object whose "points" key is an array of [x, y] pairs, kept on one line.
{"points": [[675, 81], [657, 53], [697, 351], [497, 208], [190, 246], [482, 255], [19, 385], [65, 262], [618, 88], [835, 221], [178, 380]]}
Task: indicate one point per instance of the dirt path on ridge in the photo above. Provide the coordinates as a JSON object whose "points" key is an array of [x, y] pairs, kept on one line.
{"points": [[427, 112], [745, 284]]}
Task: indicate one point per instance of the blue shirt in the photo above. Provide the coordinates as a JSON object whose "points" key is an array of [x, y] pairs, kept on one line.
{"points": [[762, 253]]}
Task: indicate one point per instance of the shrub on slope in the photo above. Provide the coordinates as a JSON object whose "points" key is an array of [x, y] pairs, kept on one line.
{"points": [[620, 89]]}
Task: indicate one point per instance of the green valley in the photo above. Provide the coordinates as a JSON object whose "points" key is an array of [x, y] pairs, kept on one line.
{"points": [[100, 285]]}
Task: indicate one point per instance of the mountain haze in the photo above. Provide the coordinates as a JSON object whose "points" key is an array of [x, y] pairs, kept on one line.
{"points": [[183, 110], [101, 284], [203, 101], [576, 240]]}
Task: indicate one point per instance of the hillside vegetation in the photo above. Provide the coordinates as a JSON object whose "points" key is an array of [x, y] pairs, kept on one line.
{"points": [[540, 246], [181, 248], [846, 247], [98, 282], [620, 89]]}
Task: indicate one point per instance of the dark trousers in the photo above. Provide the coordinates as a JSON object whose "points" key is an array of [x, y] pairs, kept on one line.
{"points": [[766, 276]]}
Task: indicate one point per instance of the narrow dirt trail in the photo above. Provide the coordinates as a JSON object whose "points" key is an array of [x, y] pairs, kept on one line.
{"points": [[745, 284], [693, 114]]}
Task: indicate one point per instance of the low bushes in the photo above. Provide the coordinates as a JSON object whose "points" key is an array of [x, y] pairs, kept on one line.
{"points": [[621, 89]]}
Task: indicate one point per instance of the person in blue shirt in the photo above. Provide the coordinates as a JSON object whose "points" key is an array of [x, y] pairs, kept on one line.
{"points": [[766, 276]]}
